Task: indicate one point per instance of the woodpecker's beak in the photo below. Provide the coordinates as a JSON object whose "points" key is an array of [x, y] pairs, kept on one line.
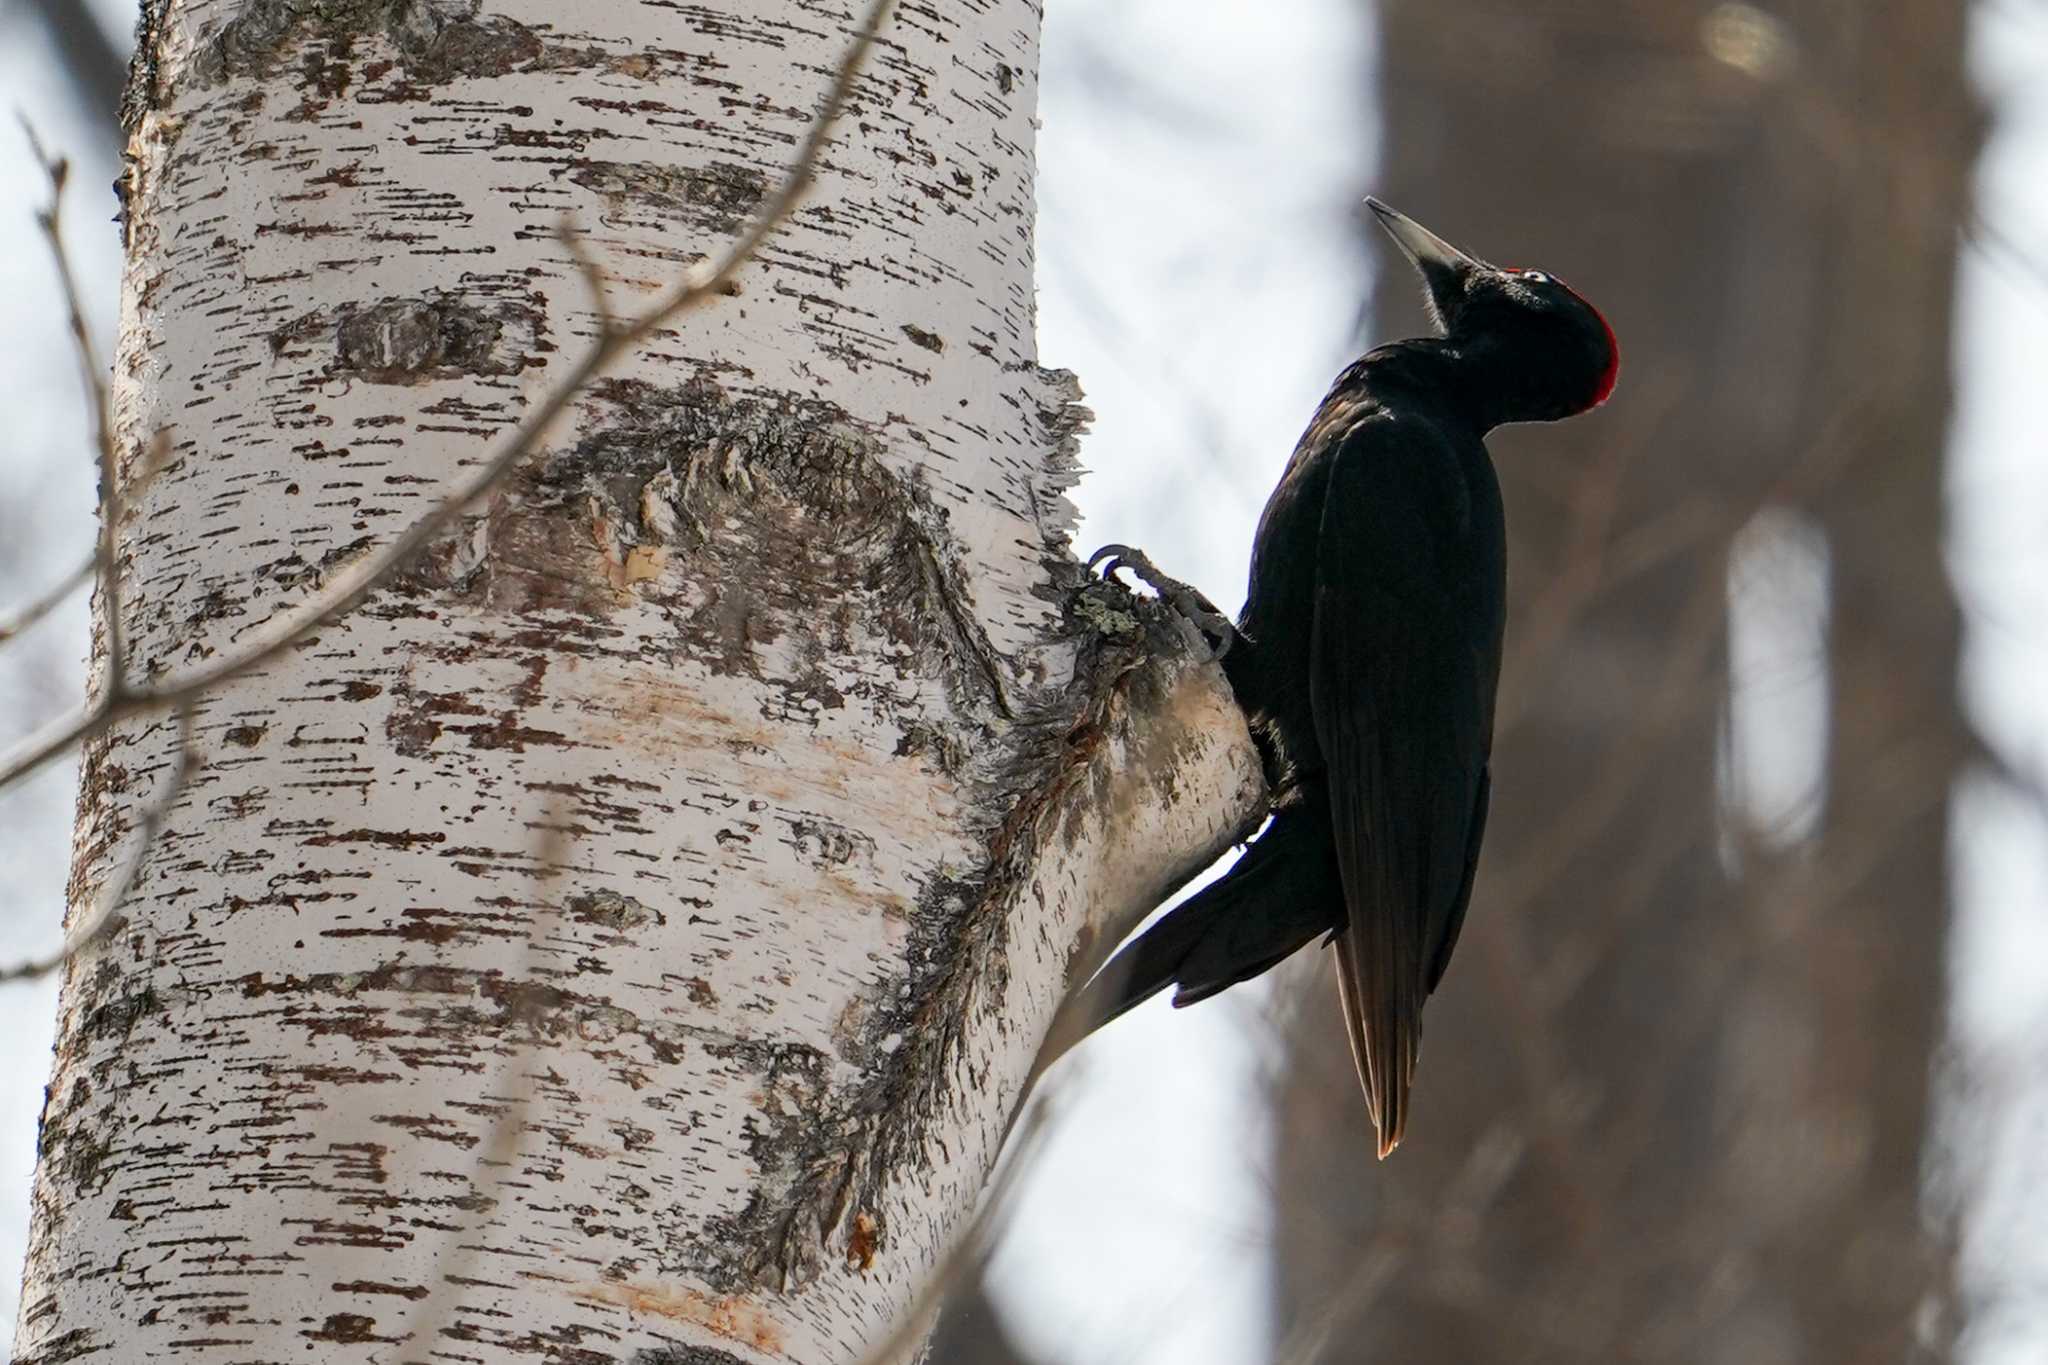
{"points": [[1444, 268]]}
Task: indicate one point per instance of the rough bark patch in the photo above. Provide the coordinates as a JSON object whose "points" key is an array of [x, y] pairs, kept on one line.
{"points": [[742, 515], [716, 198], [402, 341], [492, 329], [439, 40], [78, 1344], [685, 1355]]}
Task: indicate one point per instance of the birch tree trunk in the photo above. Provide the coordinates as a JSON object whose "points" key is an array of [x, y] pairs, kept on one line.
{"points": [[625, 938]]}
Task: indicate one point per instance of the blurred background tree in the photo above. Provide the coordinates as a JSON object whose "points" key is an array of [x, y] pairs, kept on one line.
{"points": [[1676, 1093]]}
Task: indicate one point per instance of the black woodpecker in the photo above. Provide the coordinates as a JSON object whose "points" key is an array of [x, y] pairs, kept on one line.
{"points": [[1366, 658]]}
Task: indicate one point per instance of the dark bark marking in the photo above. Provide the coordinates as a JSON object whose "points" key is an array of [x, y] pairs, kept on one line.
{"points": [[324, 1002], [313, 1077], [413, 725], [412, 340], [613, 910], [438, 49], [437, 40], [430, 1128], [144, 91], [81, 1156], [114, 1019], [342, 1328], [790, 1129], [715, 198], [101, 781], [437, 927], [682, 1355], [414, 1292], [78, 1344], [385, 838], [822, 842]]}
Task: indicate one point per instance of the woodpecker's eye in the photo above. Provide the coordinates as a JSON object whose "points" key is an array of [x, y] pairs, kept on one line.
{"points": [[1535, 277]]}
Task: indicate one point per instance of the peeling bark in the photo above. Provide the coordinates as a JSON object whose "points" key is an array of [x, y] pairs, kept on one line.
{"points": [[780, 647]]}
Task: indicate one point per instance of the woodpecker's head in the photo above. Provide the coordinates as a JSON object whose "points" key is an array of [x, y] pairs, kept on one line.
{"points": [[1561, 354]]}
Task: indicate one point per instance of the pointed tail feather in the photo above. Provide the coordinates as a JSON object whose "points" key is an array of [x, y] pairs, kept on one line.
{"points": [[1384, 1025], [1380, 954], [1354, 1024]]}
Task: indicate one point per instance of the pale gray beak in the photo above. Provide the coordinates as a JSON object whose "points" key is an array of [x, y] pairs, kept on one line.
{"points": [[1444, 268], [1423, 247]]}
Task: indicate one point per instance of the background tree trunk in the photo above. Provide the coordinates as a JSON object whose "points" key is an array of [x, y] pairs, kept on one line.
{"points": [[1674, 1093], [625, 938]]}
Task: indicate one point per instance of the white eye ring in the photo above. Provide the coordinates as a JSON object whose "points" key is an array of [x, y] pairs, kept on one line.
{"points": [[1535, 277]]}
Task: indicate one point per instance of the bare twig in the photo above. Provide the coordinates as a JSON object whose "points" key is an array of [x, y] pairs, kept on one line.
{"points": [[50, 220], [115, 891], [1995, 242], [586, 266], [354, 582], [26, 615], [19, 620]]}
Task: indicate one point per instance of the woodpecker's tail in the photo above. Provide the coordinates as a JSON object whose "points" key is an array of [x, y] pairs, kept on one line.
{"points": [[1281, 893]]}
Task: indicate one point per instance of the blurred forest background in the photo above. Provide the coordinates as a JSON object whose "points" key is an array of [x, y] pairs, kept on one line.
{"points": [[1745, 1056]]}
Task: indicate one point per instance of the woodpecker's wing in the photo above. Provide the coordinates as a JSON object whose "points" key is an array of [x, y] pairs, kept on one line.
{"points": [[1402, 663], [1443, 929]]}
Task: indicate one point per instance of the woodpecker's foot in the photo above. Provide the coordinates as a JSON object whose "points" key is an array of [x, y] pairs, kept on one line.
{"points": [[1218, 631]]}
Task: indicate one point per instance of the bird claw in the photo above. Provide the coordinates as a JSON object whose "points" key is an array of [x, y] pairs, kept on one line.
{"points": [[1218, 632]]}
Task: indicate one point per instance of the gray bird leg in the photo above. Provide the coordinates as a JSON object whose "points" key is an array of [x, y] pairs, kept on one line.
{"points": [[1217, 631]]}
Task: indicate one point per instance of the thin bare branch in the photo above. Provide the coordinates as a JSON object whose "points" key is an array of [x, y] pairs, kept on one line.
{"points": [[21, 618], [1994, 242], [356, 581], [115, 891], [28, 614], [94, 377], [587, 266]]}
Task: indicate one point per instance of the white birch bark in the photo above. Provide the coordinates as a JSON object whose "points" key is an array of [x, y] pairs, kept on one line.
{"points": [[739, 786]]}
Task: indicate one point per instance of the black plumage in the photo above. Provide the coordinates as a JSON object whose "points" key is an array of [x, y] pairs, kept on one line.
{"points": [[1367, 658]]}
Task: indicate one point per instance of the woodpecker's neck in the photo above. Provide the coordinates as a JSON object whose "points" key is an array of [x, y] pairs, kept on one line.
{"points": [[1486, 379]]}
